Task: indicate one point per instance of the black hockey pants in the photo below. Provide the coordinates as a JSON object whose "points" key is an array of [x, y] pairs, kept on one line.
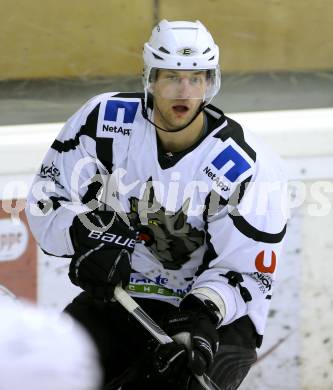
{"points": [[122, 342]]}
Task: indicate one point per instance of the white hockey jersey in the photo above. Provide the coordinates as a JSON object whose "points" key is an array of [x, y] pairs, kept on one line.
{"points": [[213, 216]]}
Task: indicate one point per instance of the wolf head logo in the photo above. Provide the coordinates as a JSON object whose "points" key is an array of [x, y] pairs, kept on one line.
{"points": [[167, 235]]}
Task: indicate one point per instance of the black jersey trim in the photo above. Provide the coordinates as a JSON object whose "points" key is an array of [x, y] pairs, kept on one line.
{"points": [[52, 202], [216, 114], [239, 192], [242, 188], [51, 254], [104, 152], [168, 161], [210, 253], [235, 131], [90, 198], [104, 147], [126, 95], [250, 231], [89, 128], [66, 146]]}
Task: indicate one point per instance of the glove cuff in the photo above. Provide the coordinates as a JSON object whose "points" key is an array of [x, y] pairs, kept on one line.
{"points": [[208, 301]]}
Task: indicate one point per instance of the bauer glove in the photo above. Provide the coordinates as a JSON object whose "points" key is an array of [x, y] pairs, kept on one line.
{"points": [[103, 245]]}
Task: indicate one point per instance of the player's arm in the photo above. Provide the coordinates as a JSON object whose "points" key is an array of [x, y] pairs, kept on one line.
{"points": [[67, 180], [65, 213], [245, 243]]}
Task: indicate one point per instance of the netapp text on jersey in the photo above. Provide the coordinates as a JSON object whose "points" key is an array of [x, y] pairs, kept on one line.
{"points": [[215, 178], [115, 129]]}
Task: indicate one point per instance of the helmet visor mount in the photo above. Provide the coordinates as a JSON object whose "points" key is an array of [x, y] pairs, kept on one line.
{"points": [[174, 84]]}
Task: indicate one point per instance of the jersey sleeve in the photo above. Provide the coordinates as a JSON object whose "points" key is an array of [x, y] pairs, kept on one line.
{"points": [[244, 241], [66, 182]]}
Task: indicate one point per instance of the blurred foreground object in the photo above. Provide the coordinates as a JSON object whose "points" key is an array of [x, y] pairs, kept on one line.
{"points": [[42, 350]]}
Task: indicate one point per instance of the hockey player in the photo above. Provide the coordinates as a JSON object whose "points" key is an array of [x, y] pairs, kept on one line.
{"points": [[41, 350], [164, 194]]}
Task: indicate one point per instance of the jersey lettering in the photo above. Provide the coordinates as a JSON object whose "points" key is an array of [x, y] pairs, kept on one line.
{"points": [[261, 267]]}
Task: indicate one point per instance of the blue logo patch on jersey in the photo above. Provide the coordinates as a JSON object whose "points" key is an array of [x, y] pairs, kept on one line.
{"points": [[113, 106], [240, 164]]}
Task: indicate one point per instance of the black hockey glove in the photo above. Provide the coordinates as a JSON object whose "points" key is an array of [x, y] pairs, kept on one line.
{"points": [[168, 366], [198, 319], [103, 245]]}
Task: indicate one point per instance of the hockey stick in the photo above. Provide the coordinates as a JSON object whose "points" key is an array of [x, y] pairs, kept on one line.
{"points": [[133, 308]]}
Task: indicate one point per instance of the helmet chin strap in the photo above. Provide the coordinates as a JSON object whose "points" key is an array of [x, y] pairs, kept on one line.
{"points": [[145, 115]]}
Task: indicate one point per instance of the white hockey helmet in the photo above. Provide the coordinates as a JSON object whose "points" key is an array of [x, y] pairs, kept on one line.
{"points": [[182, 45], [42, 350]]}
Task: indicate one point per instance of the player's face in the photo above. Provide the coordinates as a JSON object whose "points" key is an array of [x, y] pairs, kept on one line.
{"points": [[177, 96]]}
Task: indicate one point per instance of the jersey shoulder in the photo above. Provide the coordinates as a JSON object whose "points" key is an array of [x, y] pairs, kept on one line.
{"points": [[103, 124], [119, 114], [229, 159], [248, 153], [269, 165], [235, 156], [254, 179], [108, 114]]}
